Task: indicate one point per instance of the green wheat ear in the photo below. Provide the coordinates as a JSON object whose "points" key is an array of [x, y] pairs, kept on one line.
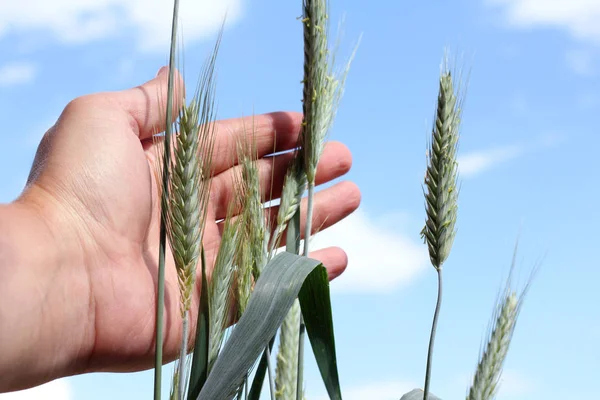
{"points": [[442, 173], [252, 239], [189, 194], [500, 333], [220, 292]]}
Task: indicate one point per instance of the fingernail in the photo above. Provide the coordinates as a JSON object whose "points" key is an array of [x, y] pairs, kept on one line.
{"points": [[161, 70]]}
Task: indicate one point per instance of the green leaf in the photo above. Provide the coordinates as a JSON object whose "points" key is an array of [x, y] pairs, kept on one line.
{"points": [[200, 359], [316, 310], [292, 246], [417, 394], [273, 296]]}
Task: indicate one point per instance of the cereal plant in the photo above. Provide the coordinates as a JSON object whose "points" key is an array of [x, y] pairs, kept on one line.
{"points": [[253, 291]]}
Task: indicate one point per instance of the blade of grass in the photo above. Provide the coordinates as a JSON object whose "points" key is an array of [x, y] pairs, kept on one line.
{"points": [[158, 359], [315, 303], [274, 293]]}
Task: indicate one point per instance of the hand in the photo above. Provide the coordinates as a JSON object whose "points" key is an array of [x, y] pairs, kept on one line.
{"points": [[88, 227]]}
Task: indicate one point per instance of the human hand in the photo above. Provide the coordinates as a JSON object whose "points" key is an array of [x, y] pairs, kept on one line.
{"points": [[88, 226]]}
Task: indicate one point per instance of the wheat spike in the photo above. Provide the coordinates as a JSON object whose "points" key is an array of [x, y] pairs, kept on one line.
{"points": [[489, 369], [323, 87], [442, 174], [287, 356], [187, 203], [252, 247], [500, 332], [220, 286]]}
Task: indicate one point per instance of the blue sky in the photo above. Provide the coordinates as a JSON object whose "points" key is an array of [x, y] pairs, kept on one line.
{"points": [[527, 167]]}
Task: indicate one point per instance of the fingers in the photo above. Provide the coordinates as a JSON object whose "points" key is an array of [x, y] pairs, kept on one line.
{"points": [[271, 133], [335, 162], [334, 259], [146, 104]]}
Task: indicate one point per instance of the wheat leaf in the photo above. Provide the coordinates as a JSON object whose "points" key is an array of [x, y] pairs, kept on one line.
{"points": [[273, 295]]}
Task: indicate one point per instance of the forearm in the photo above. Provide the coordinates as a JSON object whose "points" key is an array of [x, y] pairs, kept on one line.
{"points": [[44, 299]]}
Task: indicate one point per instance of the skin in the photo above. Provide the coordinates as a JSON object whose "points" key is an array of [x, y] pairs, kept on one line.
{"points": [[79, 247]]}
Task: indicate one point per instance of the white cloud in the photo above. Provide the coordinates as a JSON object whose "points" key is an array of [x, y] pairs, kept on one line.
{"points": [[56, 390], [76, 21], [479, 161], [578, 17], [474, 163], [380, 257], [376, 390], [17, 73], [581, 62]]}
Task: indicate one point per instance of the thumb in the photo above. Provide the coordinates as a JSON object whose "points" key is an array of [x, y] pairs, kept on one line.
{"points": [[147, 103]]}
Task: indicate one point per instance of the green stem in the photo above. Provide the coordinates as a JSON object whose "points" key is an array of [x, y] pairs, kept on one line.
{"points": [[270, 373], [433, 331], [159, 315], [160, 295], [182, 356], [307, 231]]}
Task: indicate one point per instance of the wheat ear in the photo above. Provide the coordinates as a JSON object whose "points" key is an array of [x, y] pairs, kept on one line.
{"points": [[489, 369], [500, 332], [252, 248], [441, 195], [220, 287], [287, 356]]}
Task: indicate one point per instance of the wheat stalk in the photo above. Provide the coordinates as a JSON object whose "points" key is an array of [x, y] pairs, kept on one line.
{"points": [[188, 205], [441, 196], [164, 184], [184, 199], [322, 91]]}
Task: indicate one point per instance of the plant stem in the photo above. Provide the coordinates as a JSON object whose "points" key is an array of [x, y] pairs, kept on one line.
{"points": [[307, 231], [270, 372], [433, 331], [160, 295], [182, 356], [159, 314], [309, 215]]}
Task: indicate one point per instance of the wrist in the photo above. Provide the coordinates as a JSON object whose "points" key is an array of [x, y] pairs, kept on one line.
{"points": [[47, 327]]}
